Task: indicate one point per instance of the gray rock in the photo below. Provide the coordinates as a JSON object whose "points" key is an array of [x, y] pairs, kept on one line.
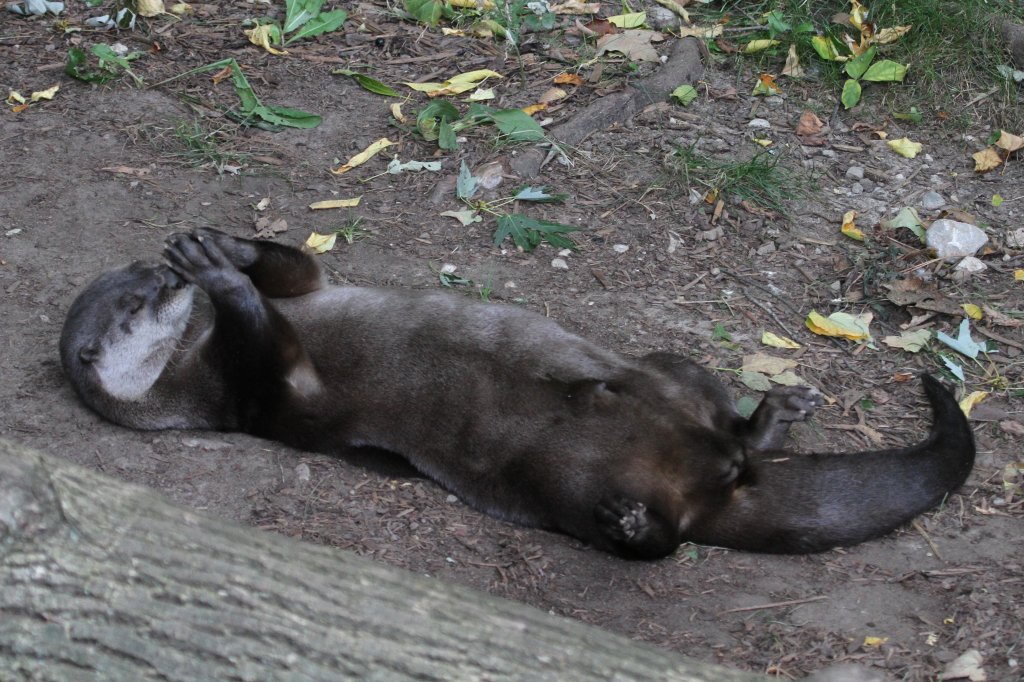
{"points": [[759, 123], [559, 264], [953, 240], [661, 18], [971, 265], [932, 201], [855, 172]]}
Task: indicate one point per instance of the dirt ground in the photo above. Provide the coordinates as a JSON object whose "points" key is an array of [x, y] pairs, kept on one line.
{"points": [[98, 177]]}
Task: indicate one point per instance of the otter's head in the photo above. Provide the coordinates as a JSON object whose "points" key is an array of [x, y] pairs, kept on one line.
{"points": [[120, 333]]}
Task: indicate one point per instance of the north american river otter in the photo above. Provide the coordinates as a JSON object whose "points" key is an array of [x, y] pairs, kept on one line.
{"points": [[518, 417]]}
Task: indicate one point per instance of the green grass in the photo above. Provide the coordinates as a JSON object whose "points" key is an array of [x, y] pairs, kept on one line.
{"points": [[762, 179], [208, 148], [952, 49]]}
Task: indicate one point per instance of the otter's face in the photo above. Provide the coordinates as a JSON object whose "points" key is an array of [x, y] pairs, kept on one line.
{"points": [[122, 329]]}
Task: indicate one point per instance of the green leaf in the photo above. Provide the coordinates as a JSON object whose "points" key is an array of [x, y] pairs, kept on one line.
{"points": [[76, 68], [720, 333], [746, 405], [886, 71], [430, 117], [855, 68], [825, 48], [298, 12], [518, 125], [446, 139], [914, 116], [465, 186], [527, 233], [287, 117], [851, 93], [425, 11], [684, 94], [368, 83], [777, 22], [320, 24]]}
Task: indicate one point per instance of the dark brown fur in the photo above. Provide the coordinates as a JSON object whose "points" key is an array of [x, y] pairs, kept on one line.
{"points": [[520, 418]]}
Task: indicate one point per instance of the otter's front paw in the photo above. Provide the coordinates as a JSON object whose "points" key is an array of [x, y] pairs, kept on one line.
{"points": [[780, 407], [633, 530], [242, 253], [199, 260]]}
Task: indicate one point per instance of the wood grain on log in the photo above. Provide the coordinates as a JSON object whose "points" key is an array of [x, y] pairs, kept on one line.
{"points": [[102, 580]]}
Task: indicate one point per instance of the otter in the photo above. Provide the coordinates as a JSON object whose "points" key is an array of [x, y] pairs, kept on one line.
{"points": [[518, 417]]}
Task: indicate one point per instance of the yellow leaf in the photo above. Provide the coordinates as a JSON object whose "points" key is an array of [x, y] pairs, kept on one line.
{"points": [[763, 141], [363, 156], [567, 79], [396, 111], [449, 31], [552, 95], [1009, 141], [776, 341], [759, 45], [534, 108], [842, 325], [702, 32], [14, 97], [792, 67], [631, 20], [321, 243], [1018, 275], [889, 35], [335, 203], [455, 84], [973, 311], [767, 364], [149, 8], [968, 403], [181, 8], [576, 7], [849, 228], [48, 93], [766, 85], [472, 4], [261, 36], [875, 641], [987, 159], [905, 147]]}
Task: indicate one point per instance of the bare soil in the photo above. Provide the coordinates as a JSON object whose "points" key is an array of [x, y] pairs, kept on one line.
{"points": [[97, 177]]}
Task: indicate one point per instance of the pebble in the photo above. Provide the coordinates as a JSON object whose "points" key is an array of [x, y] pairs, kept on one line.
{"points": [[932, 201], [971, 265], [620, 248], [1015, 239], [855, 172], [759, 123], [856, 188], [953, 239], [559, 264], [302, 472], [565, 253], [661, 18], [830, 153]]}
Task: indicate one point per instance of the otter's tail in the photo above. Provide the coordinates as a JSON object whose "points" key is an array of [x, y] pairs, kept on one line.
{"points": [[794, 504]]}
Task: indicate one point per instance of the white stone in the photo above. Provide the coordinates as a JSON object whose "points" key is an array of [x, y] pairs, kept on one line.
{"points": [[1015, 239], [759, 123], [620, 248], [932, 201], [972, 265], [855, 172], [559, 264], [953, 239]]}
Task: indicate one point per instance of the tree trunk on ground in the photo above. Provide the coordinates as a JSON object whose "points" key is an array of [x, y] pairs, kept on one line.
{"points": [[104, 580]]}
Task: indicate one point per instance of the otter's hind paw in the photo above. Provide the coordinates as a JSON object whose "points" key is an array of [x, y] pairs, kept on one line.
{"points": [[633, 529]]}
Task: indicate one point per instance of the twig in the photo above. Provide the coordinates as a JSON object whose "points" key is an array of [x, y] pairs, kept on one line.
{"points": [[791, 602], [924, 534]]}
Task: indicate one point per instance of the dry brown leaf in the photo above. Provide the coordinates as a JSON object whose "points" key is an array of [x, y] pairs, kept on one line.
{"points": [[633, 43], [1009, 141], [792, 67], [568, 79], [552, 95], [987, 159], [809, 128]]}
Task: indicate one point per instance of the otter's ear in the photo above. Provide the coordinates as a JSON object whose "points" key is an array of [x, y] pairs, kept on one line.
{"points": [[89, 353]]}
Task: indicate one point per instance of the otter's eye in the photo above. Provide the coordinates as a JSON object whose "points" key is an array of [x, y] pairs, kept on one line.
{"points": [[133, 303]]}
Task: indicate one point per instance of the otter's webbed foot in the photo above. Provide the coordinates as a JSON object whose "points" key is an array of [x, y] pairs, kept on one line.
{"points": [[780, 407], [200, 260], [633, 529]]}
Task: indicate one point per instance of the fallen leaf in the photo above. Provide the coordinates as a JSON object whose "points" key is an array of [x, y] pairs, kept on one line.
{"points": [[842, 325], [767, 364], [676, 8], [875, 641], [776, 341], [826, 49], [956, 369], [335, 203], [44, 94], [568, 79], [968, 403], [684, 94], [905, 147], [759, 45], [363, 156], [974, 312], [965, 667], [631, 20], [766, 85], [552, 95], [911, 342], [633, 43], [809, 128], [456, 84], [466, 216], [1018, 275], [998, 318], [268, 229], [849, 228], [481, 95], [14, 97], [963, 343], [1007, 141], [264, 35], [755, 381], [395, 166], [576, 7], [997, 200], [792, 67], [702, 32], [787, 378], [908, 218], [321, 243], [534, 108], [396, 111], [889, 35], [987, 159], [1014, 428], [149, 8]]}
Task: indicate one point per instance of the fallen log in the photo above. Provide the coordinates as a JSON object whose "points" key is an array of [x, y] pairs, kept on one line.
{"points": [[104, 580]]}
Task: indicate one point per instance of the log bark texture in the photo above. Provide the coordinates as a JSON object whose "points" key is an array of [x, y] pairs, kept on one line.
{"points": [[100, 580]]}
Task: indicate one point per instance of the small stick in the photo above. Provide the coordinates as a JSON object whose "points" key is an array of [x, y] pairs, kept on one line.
{"points": [[791, 602]]}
